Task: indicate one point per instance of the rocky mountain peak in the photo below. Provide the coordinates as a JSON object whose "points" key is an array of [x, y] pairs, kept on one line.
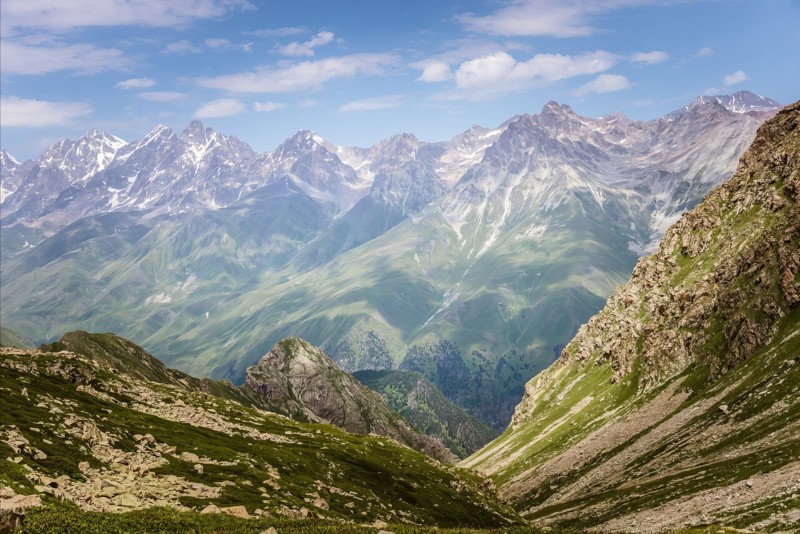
{"points": [[302, 142], [196, 133], [160, 134], [744, 102], [298, 379], [7, 160]]}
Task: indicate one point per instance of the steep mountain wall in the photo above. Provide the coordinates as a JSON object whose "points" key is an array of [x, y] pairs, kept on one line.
{"points": [[679, 403]]}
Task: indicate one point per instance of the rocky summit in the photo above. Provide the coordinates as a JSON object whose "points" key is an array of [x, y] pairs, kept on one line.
{"points": [[100, 426], [297, 379], [678, 405]]}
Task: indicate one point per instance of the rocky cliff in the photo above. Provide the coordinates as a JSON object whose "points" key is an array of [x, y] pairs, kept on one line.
{"points": [[297, 379], [679, 403]]}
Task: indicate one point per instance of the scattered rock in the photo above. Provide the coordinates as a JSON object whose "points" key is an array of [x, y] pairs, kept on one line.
{"points": [[236, 511], [211, 509], [198, 468], [190, 457], [20, 502], [270, 530], [723, 408]]}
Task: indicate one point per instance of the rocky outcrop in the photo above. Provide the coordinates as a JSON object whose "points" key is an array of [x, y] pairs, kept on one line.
{"points": [[665, 405], [298, 379]]}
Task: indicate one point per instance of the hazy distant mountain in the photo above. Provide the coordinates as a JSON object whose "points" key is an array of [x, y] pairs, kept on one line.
{"points": [[471, 261]]}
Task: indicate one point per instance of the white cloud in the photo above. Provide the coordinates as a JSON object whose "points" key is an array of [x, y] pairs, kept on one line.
{"points": [[162, 96], [705, 52], [181, 47], [224, 107], [301, 76], [499, 73], [555, 18], [278, 32], [268, 106], [66, 15], [605, 83], [35, 113], [711, 91], [136, 83], [737, 77], [433, 71], [307, 103], [217, 43], [306, 48], [649, 57], [17, 57], [372, 104]]}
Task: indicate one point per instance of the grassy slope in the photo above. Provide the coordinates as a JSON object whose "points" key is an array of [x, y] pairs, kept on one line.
{"points": [[374, 478]]}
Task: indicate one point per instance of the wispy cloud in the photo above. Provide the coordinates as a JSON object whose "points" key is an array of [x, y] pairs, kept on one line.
{"points": [[278, 32], [21, 58], [605, 83], [735, 78], [705, 52], [136, 83], [307, 103], [302, 76], [266, 107], [372, 104], [162, 96], [555, 18], [649, 58], [433, 71], [37, 113], [181, 47], [306, 48], [224, 107], [217, 43], [61, 15]]}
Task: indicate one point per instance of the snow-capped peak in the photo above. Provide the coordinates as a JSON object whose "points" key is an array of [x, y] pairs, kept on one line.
{"points": [[742, 102], [7, 159]]}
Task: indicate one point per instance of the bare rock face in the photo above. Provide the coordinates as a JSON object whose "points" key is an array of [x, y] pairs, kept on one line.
{"points": [[297, 379]]}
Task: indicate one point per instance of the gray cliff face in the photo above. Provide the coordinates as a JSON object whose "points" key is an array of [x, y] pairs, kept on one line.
{"points": [[297, 379]]}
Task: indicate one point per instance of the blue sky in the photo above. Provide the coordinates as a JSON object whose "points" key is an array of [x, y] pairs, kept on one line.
{"points": [[361, 70]]}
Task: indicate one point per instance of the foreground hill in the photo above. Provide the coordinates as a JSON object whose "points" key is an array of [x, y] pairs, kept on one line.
{"points": [[112, 430], [679, 403]]}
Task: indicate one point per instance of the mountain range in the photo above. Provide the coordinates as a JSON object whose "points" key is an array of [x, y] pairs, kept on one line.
{"points": [[472, 261]]}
